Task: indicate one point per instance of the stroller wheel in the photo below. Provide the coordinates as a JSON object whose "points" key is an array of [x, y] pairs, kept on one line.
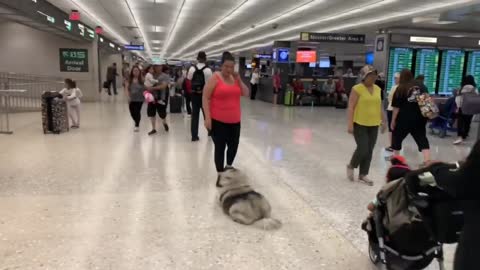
{"points": [[373, 253]]}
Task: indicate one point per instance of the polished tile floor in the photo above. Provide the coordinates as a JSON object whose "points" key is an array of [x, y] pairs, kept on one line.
{"points": [[103, 197]]}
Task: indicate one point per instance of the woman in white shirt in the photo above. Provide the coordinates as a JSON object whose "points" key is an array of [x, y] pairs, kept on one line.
{"points": [[464, 121], [254, 83], [391, 94], [72, 95]]}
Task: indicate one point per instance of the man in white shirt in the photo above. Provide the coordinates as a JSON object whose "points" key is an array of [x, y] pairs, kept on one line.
{"points": [[254, 83], [198, 82]]}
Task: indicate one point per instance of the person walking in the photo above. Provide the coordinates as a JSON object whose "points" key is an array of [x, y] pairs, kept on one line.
{"points": [[134, 88], [159, 106], [391, 94], [254, 80], [464, 121], [72, 95], [365, 116], [407, 117], [198, 75], [112, 79], [221, 99], [277, 86]]}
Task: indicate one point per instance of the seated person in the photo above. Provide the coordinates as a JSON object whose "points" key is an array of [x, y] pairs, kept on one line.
{"points": [[314, 87], [340, 92], [328, 89], [298, 89]]}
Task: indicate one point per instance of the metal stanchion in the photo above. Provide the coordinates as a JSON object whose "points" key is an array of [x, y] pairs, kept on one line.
{"points": [[6, 98]]}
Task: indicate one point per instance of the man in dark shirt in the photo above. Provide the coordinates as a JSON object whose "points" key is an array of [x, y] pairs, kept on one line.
{"points": [[420, 82], [112, 78]]}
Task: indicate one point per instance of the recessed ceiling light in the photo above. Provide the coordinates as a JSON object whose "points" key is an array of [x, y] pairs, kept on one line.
{"points": [[156, 48], [457, 36], [156, 41], [157, 28], [445, 22]]}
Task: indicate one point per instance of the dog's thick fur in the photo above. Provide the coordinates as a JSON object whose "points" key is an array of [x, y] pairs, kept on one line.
{"points": [[242, 203]]}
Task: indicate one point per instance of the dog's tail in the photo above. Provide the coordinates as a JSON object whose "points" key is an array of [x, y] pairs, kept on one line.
{"points": [[268, 224]]}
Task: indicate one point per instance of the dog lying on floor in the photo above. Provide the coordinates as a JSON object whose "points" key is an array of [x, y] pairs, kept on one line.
{"points": [[242, 203]]}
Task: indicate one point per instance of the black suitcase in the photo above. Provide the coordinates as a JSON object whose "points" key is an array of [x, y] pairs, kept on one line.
{"points": [[176, 104], [54, 113]]}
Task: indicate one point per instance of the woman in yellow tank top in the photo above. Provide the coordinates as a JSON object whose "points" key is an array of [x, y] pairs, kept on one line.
{"points": [[365, 116]]}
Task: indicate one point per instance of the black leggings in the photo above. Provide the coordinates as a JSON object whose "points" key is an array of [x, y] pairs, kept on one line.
{"points": [[136, 111], [225, 135]]}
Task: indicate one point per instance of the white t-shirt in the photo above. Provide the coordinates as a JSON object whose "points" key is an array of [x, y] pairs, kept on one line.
{"points": [[206, 72], [149, 80], [390, 97], [255, 78], [72, 96]]}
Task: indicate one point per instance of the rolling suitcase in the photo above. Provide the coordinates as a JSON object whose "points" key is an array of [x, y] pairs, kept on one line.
{"points": [[289, 98], [176, 104], [54, 113]]}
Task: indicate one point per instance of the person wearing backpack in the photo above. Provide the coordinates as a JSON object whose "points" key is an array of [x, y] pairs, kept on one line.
{"points": [[198, 75]]}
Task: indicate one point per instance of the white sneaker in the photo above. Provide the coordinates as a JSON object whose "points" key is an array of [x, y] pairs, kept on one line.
{"points": [[136, 129], [459, 141]]}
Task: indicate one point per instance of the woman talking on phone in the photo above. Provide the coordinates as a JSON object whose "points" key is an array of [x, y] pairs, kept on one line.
{"points": [[221, 100]]}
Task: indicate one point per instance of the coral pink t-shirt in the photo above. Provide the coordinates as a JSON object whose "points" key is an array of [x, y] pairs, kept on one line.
{"points": [[225, 102]]}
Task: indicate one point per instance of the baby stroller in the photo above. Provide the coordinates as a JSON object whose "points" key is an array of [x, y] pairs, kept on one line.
{"points": [[445, 121], [410, 224]]}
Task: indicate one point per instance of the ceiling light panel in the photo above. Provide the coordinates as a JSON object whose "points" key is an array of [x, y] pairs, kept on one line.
{"points": [[375, 4], [386, 17]]}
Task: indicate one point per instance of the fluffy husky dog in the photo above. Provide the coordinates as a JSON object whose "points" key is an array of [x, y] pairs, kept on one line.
{"points": [[242, 203]]}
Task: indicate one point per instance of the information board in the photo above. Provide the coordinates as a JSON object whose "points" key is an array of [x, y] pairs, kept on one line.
{"points": [[451, 72], [473, 65], [427, 64], [73, 60], [400, 58]]}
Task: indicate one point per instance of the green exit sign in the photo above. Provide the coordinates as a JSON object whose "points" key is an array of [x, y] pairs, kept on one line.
{"points": [[68, 25]]}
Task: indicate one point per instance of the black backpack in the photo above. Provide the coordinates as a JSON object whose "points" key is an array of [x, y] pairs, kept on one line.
{"points": [[198, 79]]}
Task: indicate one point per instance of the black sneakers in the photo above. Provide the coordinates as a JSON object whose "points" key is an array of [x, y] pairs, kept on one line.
{"points": [[167, 128], [152, 132]]}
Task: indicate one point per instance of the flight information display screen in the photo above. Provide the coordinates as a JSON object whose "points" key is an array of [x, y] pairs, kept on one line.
{"points": [[400, 58], [427, 64], [451, 72], [473, 65]]}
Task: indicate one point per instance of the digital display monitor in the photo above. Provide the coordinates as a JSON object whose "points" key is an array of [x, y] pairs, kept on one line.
{"points": [[306, 56], [325, 62], [400, 58], [312, 65], [427, 64], [249, 66], [451, 71], [473, 65], [283, 55], [369, 58]]}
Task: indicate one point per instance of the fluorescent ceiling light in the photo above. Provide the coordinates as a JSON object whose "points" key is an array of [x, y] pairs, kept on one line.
{"points": [[156, 42], [101, 39], [309, 24], [156, 48], [173, 30], [423, 39], [96, 18], [158, 28], [457, 36], [139, 26], [445, 22], [111, 45], [384, 18]]}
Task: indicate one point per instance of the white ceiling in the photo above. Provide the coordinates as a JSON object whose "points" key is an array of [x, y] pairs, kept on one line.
{"points": [[187, 26]]}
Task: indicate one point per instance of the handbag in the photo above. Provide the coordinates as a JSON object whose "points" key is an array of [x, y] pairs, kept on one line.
{"points": [[106, 85], [427, 105], [471, 104]]}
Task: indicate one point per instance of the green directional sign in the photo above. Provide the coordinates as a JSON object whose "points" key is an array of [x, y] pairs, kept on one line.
{"points": [[73, 60]]}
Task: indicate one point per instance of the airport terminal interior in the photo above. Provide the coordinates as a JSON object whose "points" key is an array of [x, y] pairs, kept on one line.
{"points": [[262, 178]]}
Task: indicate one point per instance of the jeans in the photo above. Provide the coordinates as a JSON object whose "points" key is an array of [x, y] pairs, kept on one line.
{"points": [[366, 138], [225, 135], [136, 112], [196, 107]]}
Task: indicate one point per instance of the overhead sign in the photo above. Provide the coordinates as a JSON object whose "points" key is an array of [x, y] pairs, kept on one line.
{"points": [[332, 37], [263, 56], [73, 60], [283, 55], [134, 47]]}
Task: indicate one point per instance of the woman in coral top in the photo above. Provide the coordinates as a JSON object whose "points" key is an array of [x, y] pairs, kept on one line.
{"points": [[221, 100]]}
